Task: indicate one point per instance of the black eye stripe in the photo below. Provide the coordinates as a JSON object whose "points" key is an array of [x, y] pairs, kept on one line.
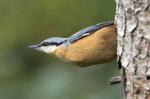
{"points": [[45, 44], [51, 43], [54, 43]]}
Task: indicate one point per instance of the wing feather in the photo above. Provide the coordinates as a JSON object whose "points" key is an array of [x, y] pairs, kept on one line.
{"points": [[87, 31]]}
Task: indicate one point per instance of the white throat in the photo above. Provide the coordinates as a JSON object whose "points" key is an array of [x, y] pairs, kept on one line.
{"points": [[48, 49]]}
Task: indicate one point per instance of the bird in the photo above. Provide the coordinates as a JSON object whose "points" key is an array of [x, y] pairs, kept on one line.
{"points": [[90, 46]]}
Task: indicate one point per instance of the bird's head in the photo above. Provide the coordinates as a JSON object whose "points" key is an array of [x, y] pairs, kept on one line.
{"points": [[50, 45]]}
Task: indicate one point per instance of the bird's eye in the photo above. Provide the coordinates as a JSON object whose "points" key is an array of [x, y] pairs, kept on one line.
{"points": [[45, 44]]}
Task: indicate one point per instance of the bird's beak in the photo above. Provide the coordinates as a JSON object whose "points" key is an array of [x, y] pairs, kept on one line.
{"points": [[34, 46]]}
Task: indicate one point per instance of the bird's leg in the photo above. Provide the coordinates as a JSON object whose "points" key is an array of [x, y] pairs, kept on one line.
{"points": [[115, 80]]}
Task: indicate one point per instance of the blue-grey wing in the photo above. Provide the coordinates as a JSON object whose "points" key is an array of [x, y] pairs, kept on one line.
{"points": [[87, 31]]}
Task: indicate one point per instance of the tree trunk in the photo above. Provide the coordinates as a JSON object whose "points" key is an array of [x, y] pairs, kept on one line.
{"points": [[133, 24]]}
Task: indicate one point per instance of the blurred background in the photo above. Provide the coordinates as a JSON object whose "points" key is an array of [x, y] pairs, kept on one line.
{"points": [[29, 74]]}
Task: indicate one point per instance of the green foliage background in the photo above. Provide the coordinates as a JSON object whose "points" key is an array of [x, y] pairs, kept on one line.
{"points": [[29, 74]]}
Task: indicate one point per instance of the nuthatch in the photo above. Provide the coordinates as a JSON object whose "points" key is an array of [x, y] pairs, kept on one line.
{"points": [[93, 45]]}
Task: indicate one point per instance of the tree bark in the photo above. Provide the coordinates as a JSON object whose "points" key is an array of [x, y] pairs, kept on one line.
{"points": [[133, 25]]}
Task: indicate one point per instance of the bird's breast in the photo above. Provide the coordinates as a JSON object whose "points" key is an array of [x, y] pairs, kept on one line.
{"points": [[99, 47]]}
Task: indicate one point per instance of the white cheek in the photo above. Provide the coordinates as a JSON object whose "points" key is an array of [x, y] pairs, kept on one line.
{"points": [[48, 49]]}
